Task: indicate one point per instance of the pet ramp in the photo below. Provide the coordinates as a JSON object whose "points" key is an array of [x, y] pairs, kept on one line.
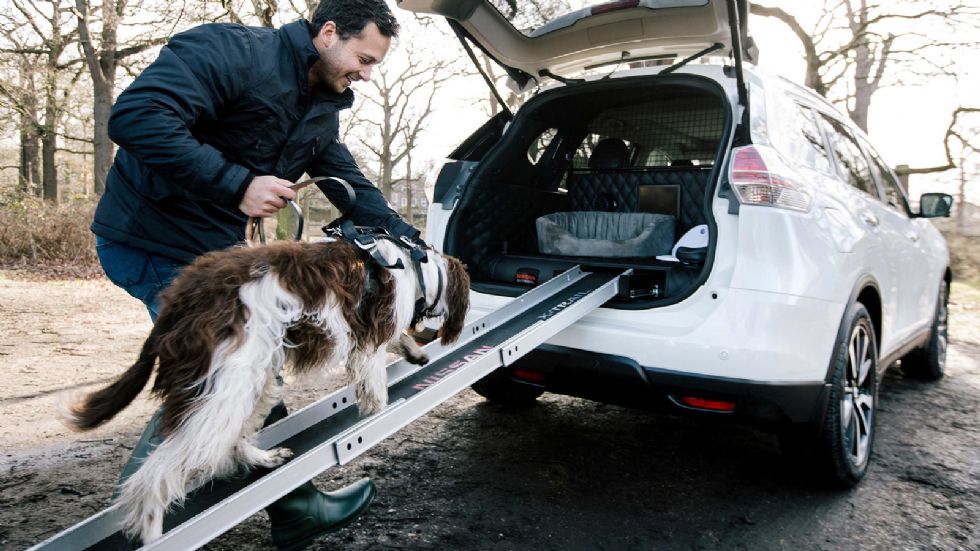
{"points": [[330, 432]]}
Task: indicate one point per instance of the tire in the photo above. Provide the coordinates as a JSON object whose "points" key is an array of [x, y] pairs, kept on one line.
{"points": [[929, 362], [841, 451], [500, 388]]}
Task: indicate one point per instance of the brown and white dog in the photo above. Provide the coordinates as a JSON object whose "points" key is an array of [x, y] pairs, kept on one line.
{"points": [[228, 325]]}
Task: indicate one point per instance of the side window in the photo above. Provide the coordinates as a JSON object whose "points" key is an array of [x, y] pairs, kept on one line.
{"points": [[794, 132], [851, 163], [584, 151], [816, 155], [540, 144], [656, 157], [894, 194]]}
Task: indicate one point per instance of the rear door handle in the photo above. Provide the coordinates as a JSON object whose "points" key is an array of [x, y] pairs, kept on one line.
{"points": [[869, 218], [913, 236]]}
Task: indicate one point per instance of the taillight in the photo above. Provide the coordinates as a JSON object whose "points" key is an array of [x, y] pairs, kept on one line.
{"points": [[760, 177]]}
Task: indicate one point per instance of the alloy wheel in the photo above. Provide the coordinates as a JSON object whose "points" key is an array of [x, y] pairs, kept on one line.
{"points": [[942, 320], [858, 398]]}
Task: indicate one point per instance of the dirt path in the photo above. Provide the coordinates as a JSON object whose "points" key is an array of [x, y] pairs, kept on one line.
{"points": [[567, 474]]}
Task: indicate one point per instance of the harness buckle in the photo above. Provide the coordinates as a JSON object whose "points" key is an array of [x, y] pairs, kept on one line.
{"points": [[366, 244], [417, 251]]}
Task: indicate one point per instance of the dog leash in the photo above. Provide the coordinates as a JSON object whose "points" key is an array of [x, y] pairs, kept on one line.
{"points": [[255, 226]]}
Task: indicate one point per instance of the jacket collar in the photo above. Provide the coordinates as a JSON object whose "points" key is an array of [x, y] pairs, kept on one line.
{"points": [[297, 37]]}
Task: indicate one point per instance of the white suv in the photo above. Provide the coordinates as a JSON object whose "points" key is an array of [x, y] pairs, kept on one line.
{"points": [[777, 266]]}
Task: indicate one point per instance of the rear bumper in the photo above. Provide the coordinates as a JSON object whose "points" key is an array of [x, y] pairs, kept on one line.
{"points": [[620, 380]]}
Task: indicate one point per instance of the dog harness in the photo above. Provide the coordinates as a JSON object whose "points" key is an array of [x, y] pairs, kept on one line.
{"points": [[366, 239]]}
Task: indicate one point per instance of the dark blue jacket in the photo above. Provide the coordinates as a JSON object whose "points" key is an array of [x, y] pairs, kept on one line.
{"points": [[220, 105]]}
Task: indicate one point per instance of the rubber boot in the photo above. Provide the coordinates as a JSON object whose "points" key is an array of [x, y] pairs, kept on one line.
{"points": [[300, 516], [306, 513]]}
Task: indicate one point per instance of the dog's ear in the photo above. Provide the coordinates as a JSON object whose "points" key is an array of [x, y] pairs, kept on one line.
{"points": [[457, 300]]}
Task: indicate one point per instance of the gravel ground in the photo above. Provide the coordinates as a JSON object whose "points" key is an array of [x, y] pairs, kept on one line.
{"points": [[565, 474]]}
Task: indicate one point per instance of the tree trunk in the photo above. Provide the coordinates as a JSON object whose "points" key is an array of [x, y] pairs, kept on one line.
{"points": [[387, 138], [409, 212], [49, 168], [103, 145], [961, 208], [30, 157], [488, 67], [29, 180], [864, 88], [49, 142]]}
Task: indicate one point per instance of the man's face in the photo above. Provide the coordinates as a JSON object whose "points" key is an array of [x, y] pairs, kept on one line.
{"points": [[345, 61]]}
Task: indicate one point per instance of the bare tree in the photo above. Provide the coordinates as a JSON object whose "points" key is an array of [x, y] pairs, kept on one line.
{"points": [[857, 47], [30, 132], [41, 32], [525, 16], [398, 103], [99, 28], [19, 95], [264, 13], [963, 141]]}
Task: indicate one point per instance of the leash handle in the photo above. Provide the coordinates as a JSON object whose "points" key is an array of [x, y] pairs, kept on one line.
{"points": [[256, 228]]}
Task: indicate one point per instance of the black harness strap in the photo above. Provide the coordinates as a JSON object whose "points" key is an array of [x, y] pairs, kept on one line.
{"points": [[366, 239]]}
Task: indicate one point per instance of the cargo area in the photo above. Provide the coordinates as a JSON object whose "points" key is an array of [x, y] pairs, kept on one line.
{"points": [[607, 175]]}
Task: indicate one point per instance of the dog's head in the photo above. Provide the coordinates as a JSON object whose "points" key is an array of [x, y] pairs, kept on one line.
{"points": [[449, 299]]}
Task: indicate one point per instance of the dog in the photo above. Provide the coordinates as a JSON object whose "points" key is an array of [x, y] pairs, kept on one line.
{"points": [[234, 319]]}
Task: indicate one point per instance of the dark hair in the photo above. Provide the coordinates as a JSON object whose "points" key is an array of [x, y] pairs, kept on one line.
{"points": [[351, 16]]}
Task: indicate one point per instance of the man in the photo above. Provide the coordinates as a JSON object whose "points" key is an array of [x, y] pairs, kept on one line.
{"points": [[213, 132]]}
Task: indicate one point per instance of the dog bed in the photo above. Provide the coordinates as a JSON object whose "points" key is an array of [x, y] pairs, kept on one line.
{"points": [[605, 234]]}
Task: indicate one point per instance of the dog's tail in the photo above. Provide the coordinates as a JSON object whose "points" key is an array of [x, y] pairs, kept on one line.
{"points": [[102, 405]]}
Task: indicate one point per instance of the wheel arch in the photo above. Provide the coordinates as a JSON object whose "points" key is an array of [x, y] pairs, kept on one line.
{"points": [[870, 297], [866, 292]]}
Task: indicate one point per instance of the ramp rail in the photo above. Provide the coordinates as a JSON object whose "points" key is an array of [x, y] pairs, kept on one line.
{"points": [[330, 432]]}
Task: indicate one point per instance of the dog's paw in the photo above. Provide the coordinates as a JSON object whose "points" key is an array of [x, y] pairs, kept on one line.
{"points": [[406, 347], [273, 458], [369, 405]]}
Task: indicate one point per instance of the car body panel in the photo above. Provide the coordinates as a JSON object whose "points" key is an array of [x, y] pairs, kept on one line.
{"points": [[726, 333]]}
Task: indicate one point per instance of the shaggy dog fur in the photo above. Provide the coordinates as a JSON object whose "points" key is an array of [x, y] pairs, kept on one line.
{"points": [[228, 325]]}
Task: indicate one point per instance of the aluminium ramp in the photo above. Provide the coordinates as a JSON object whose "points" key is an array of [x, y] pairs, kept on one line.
{"points": [[330, 432]]}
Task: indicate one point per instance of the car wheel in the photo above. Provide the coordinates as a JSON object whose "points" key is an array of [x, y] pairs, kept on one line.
{"points": [[929, 362], [842, 448], [499, 387]]}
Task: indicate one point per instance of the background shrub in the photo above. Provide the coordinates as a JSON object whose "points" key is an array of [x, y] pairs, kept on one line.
{"points": [[46, 239]]}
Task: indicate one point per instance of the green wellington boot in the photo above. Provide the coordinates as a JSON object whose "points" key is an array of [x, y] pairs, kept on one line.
{"points": [[306, 513], [300, 516]]}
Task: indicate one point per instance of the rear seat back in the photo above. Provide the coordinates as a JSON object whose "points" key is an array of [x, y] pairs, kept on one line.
{"points": [[610, 184], [602, 187]]}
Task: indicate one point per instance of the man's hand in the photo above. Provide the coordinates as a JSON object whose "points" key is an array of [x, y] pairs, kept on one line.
{"points": [[265, 196]]}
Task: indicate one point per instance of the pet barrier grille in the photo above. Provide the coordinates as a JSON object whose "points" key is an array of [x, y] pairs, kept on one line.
{"points": [[661, 131]]}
